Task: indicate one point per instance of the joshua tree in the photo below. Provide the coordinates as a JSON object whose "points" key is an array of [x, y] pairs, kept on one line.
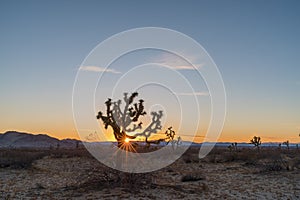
{"points": [[179, 141], [256, 141], [230, 147], [170, 135], [287, 144], [233, 146], [125, 120]]}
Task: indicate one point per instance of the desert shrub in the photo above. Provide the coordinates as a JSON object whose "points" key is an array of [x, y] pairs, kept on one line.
{"points": [[141, 148], [273, 165], [192, 150], [109, 178], [69, 153], [19, 158], [133, 181], [191, 155], [274, 162], [219, 155], [190, 158], [297, 163], [248, 156], [23, 158], [193, 176], [229, 157]]}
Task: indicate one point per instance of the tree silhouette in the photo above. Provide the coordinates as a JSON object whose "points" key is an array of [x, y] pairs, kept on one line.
{"points": [[256, 141], [170, 135], [287, 144], [125, 120], [233, 146], [152, 128]]}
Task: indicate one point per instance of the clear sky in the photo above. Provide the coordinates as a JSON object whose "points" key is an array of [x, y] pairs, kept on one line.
{"points": [[255, 44]]}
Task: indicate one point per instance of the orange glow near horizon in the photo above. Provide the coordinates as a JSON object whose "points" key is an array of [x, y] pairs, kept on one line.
{"points": [[228, 134]]}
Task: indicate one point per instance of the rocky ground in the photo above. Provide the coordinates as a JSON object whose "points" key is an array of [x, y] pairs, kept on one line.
{"points": [[227, 175]]}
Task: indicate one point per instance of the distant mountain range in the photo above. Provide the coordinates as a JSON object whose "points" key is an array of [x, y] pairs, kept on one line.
{"points": [[14, 139]]}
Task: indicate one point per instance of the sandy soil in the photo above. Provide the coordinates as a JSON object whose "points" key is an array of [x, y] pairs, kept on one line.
{"points": [[86, 178]]}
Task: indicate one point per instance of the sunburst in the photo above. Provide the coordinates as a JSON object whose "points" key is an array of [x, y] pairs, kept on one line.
{"points": [[127, 140], [127, 146]]}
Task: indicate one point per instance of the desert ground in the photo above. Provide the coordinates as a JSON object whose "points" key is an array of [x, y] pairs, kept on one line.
{"points": [[247, 173]]}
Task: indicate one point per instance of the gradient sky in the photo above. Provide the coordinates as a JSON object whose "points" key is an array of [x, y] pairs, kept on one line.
{"points": [[255, 44]]}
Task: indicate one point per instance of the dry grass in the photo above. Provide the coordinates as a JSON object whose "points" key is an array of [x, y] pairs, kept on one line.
{"points": [[74, 172], [265, 160], [23, 158], [19, 158]]}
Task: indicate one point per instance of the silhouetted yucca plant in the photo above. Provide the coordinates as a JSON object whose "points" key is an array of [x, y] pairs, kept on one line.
{"points": [[256, 141]]}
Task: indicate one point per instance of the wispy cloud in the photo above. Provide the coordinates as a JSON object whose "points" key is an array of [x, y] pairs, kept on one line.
{"points": [[184, 67], [175, 62], [193, 94], [98, 69]]}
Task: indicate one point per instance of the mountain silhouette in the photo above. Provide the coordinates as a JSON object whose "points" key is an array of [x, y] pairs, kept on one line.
{"points": [[14, 139]]}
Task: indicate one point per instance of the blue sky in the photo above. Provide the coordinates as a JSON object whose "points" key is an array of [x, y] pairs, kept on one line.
{"points": [[255, 44]]}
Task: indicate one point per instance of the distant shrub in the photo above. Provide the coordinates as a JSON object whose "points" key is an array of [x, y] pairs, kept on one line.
{"points": [[69, 153], [19, 158], [23, 158]]}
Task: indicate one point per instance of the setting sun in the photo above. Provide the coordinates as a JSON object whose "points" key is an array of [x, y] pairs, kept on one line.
{"points": [[126, 140]]}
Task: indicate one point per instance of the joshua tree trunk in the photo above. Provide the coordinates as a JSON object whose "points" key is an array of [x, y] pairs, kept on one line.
{"points": [[120, 136]]}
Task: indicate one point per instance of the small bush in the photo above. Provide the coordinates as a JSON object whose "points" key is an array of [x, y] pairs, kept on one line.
{"points": [[195, 176], [110, 178], [275, 165], [23, 158], [69, 153], [19, 158]]}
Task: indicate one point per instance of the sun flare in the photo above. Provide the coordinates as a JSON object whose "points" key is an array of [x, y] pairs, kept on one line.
{"points": [[127, 140]]}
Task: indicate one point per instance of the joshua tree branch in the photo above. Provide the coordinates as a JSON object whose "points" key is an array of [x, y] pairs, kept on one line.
{"points": [[153, 127]]}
